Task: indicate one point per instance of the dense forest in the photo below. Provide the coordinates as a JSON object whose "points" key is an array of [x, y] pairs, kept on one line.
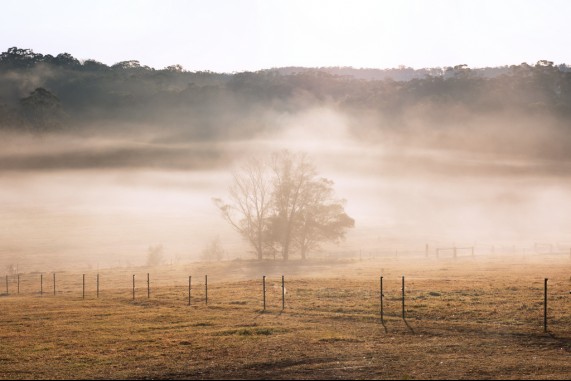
{"points": [[40, 93]]}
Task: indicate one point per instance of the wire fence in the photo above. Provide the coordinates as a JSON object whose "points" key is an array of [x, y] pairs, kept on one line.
{"points": [[500, 301]]}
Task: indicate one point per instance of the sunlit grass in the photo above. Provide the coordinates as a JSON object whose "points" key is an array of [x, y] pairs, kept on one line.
{"points": [[466, 322]]}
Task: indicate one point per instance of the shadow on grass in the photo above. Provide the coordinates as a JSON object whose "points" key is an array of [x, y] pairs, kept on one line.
{"points": [[408, 326], [563, 342], [261, 313], [384, 326]]}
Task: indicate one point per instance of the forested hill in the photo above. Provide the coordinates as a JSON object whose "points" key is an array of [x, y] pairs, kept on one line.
{"points": [[44, 93]]}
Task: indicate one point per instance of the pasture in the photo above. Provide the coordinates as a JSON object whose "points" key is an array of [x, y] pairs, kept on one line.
{"points": [[469, 317]]}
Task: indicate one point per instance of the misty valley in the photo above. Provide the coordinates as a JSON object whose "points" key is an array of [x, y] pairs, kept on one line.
{"points": [[100, 162], [125, 187]]}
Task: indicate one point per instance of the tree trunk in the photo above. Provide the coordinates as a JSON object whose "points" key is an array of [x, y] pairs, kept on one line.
{"points": [[287, 240], [285, 251], [260, 248]]}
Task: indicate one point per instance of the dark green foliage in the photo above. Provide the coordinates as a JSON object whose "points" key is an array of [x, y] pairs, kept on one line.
{"points": [[42, 111], [208, 105]]}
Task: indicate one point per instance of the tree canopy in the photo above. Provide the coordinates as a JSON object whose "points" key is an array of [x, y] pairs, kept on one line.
{"points": [[202, 103]]}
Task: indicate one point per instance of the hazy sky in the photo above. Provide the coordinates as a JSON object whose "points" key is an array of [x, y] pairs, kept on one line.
{"points": [[238, 35]]}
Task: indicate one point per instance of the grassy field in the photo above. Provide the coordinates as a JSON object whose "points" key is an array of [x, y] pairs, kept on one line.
{"points": [[465, 318]]}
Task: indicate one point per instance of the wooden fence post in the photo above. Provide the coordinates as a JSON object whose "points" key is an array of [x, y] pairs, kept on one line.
{"points": [[403, 309], [264, 290], [545, 305], [283, 293], [381, 297], [189, 283]]}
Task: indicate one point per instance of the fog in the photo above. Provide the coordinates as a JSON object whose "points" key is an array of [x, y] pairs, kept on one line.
{"points": [[98, 199]]}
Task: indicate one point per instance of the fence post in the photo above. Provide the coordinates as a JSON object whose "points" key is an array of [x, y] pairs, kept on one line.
{"points": [[133, 286], [54, 284], [283, 293], [206, 289], [189, 283], [545, 305], [97, 285], [148, 286], [7, 285], [18, 283], [264, 290], [381, 297], [403, 310], [41, 284], [83, 289]]}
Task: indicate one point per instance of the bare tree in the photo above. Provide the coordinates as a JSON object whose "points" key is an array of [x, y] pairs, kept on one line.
{"points": [[12, 269], [213, 251], [155, 255], [293, 175], [282, 206], [249, 206]]}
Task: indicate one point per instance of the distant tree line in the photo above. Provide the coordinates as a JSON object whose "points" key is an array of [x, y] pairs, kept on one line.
{"points": [[49, 93]]}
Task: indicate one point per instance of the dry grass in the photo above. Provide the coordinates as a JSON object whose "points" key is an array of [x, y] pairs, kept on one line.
{"points": [[466, 318]]}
